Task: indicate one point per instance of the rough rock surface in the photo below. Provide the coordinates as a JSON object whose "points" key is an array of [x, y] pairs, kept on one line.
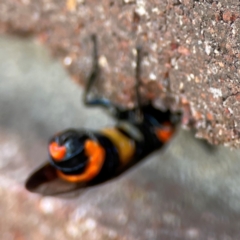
{"points": [[192, 50], [186, 191]]}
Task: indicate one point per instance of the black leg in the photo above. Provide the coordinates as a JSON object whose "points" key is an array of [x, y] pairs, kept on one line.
{"points": [[95, 71], [105, 103], [139, 114], [100, 102]]}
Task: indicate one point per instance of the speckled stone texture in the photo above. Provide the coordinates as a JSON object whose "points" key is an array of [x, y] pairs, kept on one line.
{"points": [[192, 59], [186, 191]]}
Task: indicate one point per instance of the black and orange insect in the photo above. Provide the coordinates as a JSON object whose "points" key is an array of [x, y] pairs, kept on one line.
{"points": [[82, 158]]}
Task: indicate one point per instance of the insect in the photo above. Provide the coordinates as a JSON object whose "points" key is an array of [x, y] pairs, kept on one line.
{"points": [[83, 158]]}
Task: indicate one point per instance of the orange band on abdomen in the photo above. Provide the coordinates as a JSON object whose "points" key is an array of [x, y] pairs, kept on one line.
{"points": [[124, 145], [96, 155]]}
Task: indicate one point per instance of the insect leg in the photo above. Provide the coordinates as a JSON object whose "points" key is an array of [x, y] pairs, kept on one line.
{"points": [[101, 102], [138, 112]]}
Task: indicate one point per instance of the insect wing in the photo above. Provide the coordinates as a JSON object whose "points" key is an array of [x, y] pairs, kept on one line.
{"points": [[45, 181]]}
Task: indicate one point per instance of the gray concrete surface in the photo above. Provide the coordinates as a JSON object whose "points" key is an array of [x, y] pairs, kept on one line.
{"points": [[187, 190]]}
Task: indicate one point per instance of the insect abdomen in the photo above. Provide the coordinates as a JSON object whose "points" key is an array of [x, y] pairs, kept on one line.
{"points": [[125, 146]]}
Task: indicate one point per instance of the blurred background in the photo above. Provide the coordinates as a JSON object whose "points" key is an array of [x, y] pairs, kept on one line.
{"points": [[187, 190]]}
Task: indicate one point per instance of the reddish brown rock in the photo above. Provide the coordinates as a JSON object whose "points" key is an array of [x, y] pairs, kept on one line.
{"points": [[192, 52]]}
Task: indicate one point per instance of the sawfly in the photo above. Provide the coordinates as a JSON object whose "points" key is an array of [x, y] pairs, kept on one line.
{"points": [[80, 158]]}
